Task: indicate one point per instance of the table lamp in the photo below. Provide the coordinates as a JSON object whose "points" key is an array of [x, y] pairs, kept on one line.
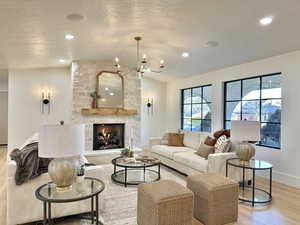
{"points": [[245, 131], [63, 143]]}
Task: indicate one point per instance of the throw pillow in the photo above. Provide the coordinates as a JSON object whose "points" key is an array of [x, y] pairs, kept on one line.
{"points": [[219, 133], [210, 141], [223, 144], [204, 150], [175, 139]]}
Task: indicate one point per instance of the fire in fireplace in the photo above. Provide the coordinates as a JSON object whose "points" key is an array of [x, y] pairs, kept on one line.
{"points": [[108, 136]]}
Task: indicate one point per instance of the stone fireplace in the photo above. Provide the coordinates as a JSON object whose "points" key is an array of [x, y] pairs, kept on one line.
{"points": [[108, 136], [84, 83]]}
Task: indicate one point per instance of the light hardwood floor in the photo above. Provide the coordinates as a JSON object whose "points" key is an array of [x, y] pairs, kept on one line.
{"points": [[284, 210]]}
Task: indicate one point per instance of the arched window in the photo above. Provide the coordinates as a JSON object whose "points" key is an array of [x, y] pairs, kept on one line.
{"points": [[257, 98]]}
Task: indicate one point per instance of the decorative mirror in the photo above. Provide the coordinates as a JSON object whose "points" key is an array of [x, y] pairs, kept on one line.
{"points": [[110, 88]]}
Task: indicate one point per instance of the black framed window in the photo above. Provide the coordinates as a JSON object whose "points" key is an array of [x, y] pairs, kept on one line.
{"points": [[256, 98], [196, 108]]}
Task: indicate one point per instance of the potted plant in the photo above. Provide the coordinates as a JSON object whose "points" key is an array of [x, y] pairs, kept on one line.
{"points": [[95, 97]]}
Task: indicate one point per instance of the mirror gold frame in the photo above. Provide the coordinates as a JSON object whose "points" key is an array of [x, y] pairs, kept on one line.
{"points": [[98, 85]]}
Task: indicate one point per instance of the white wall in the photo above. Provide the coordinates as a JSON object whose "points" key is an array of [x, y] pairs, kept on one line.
{"points": [[24, 112], [3, 114], [285, 161], [3, 86], [153, 123]]}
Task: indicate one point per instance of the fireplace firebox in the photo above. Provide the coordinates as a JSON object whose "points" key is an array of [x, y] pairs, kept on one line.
{"points": [[108, 136]]}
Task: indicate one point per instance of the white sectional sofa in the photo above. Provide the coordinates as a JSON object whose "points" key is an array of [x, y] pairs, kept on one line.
{"points": [[184, 159]]}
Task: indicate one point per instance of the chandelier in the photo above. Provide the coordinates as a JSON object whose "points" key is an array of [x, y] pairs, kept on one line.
{"points": [[141, 64]]}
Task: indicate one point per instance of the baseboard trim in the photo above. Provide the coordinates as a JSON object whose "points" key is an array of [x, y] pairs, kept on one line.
{"points": [[286, 179]]}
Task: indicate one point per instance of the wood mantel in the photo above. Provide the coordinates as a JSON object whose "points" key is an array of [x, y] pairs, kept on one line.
{"points": [[109, 111]]}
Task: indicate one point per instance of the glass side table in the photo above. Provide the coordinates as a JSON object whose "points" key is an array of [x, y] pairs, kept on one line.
{"points": [[90, 188], [250, 193]]}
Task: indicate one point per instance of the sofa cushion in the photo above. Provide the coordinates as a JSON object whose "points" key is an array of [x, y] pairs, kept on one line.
{"points": [[191, 160], [193, 139], [169, 151]]}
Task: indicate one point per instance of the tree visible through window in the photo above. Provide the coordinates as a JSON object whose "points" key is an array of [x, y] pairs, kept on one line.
{"points": [[196, 108], [259, 99]]}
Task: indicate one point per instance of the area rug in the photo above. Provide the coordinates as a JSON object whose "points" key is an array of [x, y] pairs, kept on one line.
{"points": [[120, 203]]}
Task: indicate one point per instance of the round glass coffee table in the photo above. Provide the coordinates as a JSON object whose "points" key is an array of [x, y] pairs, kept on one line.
{"points": [[90, 188], [135, 171], [251, 193]]}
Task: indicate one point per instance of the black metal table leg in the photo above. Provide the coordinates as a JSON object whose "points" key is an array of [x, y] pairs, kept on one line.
{"points": [[243, 184], [253, 188], [271, 182], [49, 214], [159, 171], [226, 168], [45, 213], [97, 210], [144, 174], [92, 210], [126, 177]]}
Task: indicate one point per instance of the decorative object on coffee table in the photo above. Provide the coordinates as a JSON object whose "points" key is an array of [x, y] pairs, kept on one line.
{"points": [[80, 173], [135, 170], [90, 188], [252, 194], [62, 142], [245, 131]]}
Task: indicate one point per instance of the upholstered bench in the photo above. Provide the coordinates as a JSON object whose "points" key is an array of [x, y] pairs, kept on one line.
{"points": [[216, 198], [164, 203]]}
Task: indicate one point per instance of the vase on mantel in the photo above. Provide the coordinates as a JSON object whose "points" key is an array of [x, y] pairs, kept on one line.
{"points": [[94, 103]]}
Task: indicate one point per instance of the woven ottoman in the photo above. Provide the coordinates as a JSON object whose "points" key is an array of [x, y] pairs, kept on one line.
{"points": [[216, 198], [164, 203]]}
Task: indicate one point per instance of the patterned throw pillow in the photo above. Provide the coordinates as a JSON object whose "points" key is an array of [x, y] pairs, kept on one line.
{"points": [[223, 144]]}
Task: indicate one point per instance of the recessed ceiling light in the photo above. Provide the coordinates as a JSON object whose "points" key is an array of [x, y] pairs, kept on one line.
{"points": [[103, 99], [74, 17], [106, 89], [69, 36], [212, 44], [185, 54], [111, 94], [62, 60], [266, 20]]}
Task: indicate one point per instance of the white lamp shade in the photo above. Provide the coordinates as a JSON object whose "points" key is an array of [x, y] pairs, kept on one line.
{"points": [[61, 141], [245, 130]]}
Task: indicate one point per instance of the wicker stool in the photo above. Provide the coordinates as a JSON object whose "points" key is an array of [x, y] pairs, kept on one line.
{"points": [[164, 203], [216, 198]]}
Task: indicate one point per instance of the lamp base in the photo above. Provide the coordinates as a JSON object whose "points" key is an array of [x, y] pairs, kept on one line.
{"points": [[245, 152], [62, 172]]}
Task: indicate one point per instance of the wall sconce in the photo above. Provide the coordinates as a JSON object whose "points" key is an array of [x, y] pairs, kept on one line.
{"points": [[45, 101], [149, 104]]}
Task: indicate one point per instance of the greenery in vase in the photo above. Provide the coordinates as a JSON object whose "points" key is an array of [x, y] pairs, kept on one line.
{"points": [[95, 95]]}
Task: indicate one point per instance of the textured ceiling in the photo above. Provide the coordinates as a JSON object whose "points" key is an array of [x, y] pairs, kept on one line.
{"points": [[32, 32]]}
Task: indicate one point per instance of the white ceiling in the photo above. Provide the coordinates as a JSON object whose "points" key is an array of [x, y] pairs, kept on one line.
{"points": [[32, 32]]}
